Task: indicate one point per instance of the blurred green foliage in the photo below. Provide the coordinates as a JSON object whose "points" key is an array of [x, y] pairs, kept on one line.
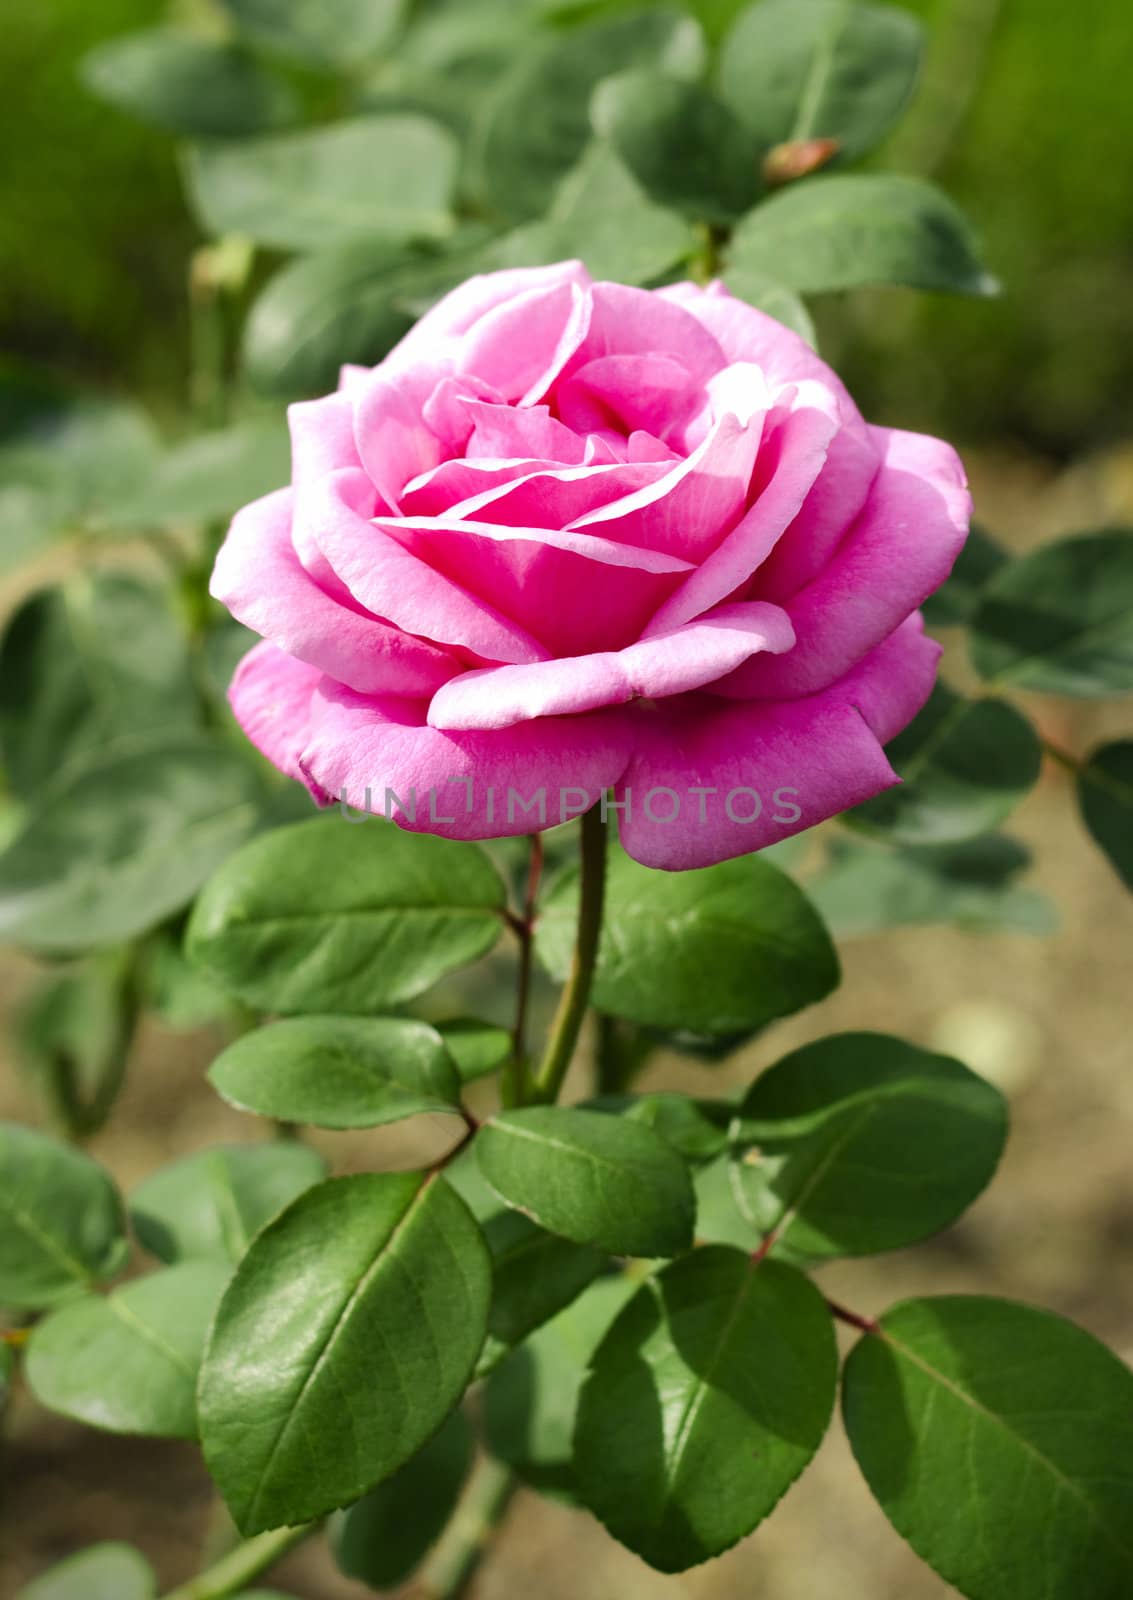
{"points": [[1024, 116]]}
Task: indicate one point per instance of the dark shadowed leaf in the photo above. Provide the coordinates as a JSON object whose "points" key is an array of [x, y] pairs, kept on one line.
{"points": [[320, 33], [534, 1275], [861, 1142], [1105, 795], [705, 1400], [955, 602], [382, 1261], [1020, 1424]]}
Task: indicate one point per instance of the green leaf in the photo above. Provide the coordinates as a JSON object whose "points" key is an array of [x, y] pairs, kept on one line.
{"points": [[1105, 796], [209, 477], [1060, 620], [210, 1205], [128, 1361], [965, 765], [534, 126], [595, 1179], [339, 1072], [382, 1539], [95, 662], [389, 1262], [601, 214], [350, 303], [320, 33], [62, 1223], [866, 889], [955, 602], [685, 147], [779, 302], [390, 175], [696, 1129], [177, 992], [188, 85], [531, 1398], [74, 1035], [843, 232], [478, 1048], [534, 1275], [820, 69], [123, 841], [108, 1571], [861, 1142], [717, 950], [997, 1440], [322, 916], [704, 1402], [718, 1217]]}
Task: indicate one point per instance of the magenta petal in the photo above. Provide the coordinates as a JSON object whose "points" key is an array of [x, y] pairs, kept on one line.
{"points": [[322, 436], [632, 392], [899, 551], [270, 696], [507, 433], [459, 784], [626, 321], [554, 496], [463, 307], [574, 592], [513, 346], [391, 582], [790, 461], [260, 579], [686, 659], [394, 442]]}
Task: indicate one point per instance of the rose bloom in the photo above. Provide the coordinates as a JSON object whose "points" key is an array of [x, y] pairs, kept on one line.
{"points": [[574, 536]]}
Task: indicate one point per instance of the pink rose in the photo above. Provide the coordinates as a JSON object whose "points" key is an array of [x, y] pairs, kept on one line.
{"points": [[571, 536]]}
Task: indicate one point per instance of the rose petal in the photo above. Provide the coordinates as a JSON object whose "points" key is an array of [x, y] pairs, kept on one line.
{"points": [[511, 432], [574, 592], [270, 696], [648, 391], [514, 345], [322, 436], [673, 664], [391, 582], [626, 321], [394, 442], [806, 760], [899, 551], [463, 307], [458, 784], [554, 497], [260, 579]]}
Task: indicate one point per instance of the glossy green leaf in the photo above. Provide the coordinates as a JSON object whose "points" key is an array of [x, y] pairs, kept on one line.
{"points": [[997, 1440], [534, 126], [843, 232], [598, 1180], [124, 840], [392, 1262], [339, 1072], [719, 1219], [327, 917], [965, 765], [955, 602], [696, 1129], [866, 889], [686, 148], [61, 1222], [820, 69], [351, 303], [530, 1400], [188, 85], [718, 950], [128, 1361], [384, 1536], [1105, 796], [1060, 620], [705, 1400], [390, 175], [478, 1048], [861, 1142], [108, 1571], [779, 302], [319, 33], [210, 1205], [97, 661], [212, 475], [534, 1275]]}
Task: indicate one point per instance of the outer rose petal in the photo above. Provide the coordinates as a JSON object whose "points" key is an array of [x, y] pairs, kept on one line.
{"points": [[390, 581], [270, 696], [899, 551], [260, 579], [394, 442], [461, 781], [576, 593], [818, 756], [462, 308], [685, 659]]}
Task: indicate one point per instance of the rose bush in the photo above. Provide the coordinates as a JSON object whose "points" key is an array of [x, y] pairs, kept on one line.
{"points": [[573, 535]]}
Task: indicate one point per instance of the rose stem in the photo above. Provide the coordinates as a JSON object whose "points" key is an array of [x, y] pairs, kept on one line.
{"points": [[576, 995]]}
